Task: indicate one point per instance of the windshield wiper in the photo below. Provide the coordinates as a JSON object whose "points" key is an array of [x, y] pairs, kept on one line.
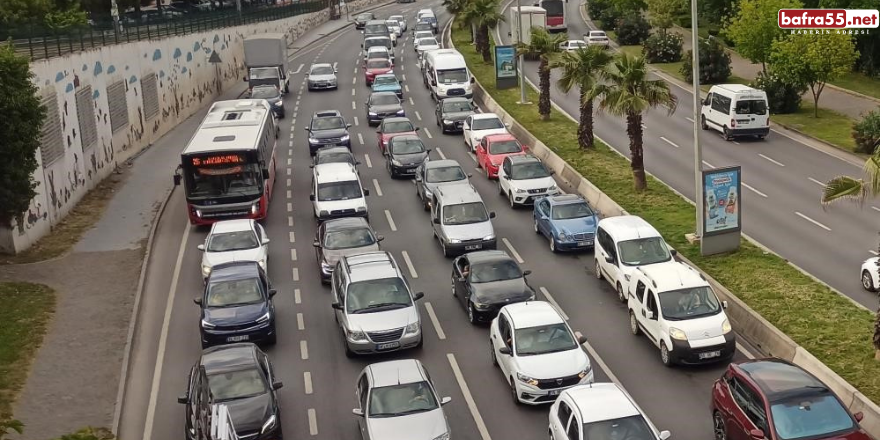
{"points": [[410, 411], [380, 305]]}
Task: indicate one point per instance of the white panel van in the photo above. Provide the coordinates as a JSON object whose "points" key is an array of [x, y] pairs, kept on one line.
{"points": [[446, 74], [736, 110]]}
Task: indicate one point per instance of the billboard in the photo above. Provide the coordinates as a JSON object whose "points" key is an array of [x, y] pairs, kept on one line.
{"points": [[722, 210], [505, 67]]}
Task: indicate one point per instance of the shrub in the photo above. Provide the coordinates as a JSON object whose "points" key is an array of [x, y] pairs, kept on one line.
{"points": [[714, 63], [603, 10], [783, 98], [632, 29], [663, 47], [866, 132]]}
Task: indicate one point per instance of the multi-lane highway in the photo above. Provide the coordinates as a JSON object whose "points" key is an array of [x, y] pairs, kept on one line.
{"points": [[782, 181], [319, 381]]}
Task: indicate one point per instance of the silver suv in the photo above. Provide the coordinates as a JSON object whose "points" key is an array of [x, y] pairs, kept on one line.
{"points": [[374, 305], [460, 220]]}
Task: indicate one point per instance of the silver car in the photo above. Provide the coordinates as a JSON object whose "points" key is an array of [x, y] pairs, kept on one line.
{"points": [[400, 20], [322, 76], [340, 237], [374, 306], [430, 175], [398, 401]]}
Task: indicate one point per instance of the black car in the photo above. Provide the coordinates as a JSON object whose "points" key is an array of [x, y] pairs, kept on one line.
{"points": [[404, 154], [381, 105], [237, 305], [334, 155], [451, 113], [271, 94], [486, 281], [241, 377], [342, 237], [361, 20], [328, 128]]}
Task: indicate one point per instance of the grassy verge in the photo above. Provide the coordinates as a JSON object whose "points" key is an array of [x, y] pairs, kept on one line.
{"points": [[858, 82], [831, 126], [80, 219], [25, 310], [826, 324]]}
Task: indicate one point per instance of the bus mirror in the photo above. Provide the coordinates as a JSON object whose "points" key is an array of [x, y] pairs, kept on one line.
{"points": [[265, 174], [177, 180]]}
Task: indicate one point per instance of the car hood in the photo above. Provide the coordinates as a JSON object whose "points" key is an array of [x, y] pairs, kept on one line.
{"points": [[554, 365], [470, 231], [250, 414], [236, 315], [332, 205], [214, 258], [479, 134], [383, 321], [327, 77], [704, 327], [420, 426], [386, 108], [410, 159], [502, 292], [542, 182], [386, 87], [332, 256], [325, 134], [576, 225], [456, 116]]}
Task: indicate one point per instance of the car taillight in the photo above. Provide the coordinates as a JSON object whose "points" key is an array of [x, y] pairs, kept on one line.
{"points": [[732, 123]]}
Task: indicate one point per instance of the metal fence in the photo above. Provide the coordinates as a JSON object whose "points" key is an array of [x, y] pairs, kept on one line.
{"points": [[39, 42]]}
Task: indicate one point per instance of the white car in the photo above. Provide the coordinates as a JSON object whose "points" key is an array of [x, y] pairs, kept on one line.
{"points": [[378, 52], [871, 274], [537, 352], [597, 38], [234, 240], [601, 411], [418, 36], [524, 178], [573, 45], [423, 44], [394, 27], [400, 20], [479, 125]]}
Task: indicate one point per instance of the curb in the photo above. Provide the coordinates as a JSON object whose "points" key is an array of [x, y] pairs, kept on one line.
{"points": [[853, 93]]}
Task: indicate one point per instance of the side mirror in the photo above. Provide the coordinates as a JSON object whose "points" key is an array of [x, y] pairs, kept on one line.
{"points": [[665, 435], [580, 338], [445, 400], [244, 79], [492, 214], [859, 416], [436, 221], [724, 304], [347, 125], [201, 247], [504, 350], [177, 180], [366, 192], [527, 272], [306, 128], [277, 385], [357, 162], [418, 178], [316, 244], [552, 172], [649, 314], [358, 412], [336, 306], [756, 434], [473, 80], [609, 260], [418, 128], [312, 197], [673, 252], [265, 174], [266, 241], [183, 399], [507, 124], [428, 150], [197, 301], [379, 238], [311, 165], [470, 175], [418, 296], [272, 292]]}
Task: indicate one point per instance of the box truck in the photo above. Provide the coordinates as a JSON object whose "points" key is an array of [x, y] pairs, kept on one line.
{"points": [[265, 56], [531, 16]]}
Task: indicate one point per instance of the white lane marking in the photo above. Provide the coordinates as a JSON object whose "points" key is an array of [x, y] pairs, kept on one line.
{"points": [[735, 142], [289, 193], [551, 300], [290, 152], [289, 182], [473, 157], [295, 274], [291, 235], [435, 321], [403, 67], [644, 127], [291, 142], [428, 133], [299, 69], [813, 221], [307, 378], [163, 337], [440, 153], [291, 135], [353, 92], [356, 122], [418, 116], [817, 182], [708, 164], [289, 171], [294, 116], [300, 322], [360, 138], [390, 221], [409, 264], [304, 350], [293, 255], [411, 102], [290, 221], [875, 208], [873, 252], [313, 422], [668, 141], [354, 80], [355, 70], [772, 160], [513, 251], [297, 296], [745, 351], [403, 76], [353, 105], [468, 398], [406, 87], [378, 188], [754, 190], [367, 160], [289, 207], [689, 119]]}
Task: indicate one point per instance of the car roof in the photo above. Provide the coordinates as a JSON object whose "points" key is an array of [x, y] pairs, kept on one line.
{"points": [[533, 314], [396, 118], [628, 227], [396, 372], [371, 266], [321, 65], [442, 163], [486, 116], [601, 401], [565, 199], [458, 192], [339, 224], [377, 37], [327, 114], [234, 270], [672, 275], [228, 357], [487, 256], [777, 378], [232, 226], [377, 49], [332, 149], [335, 172]]}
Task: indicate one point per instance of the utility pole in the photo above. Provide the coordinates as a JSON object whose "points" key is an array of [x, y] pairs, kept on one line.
{"points": [[698, 151], [520, 60]]}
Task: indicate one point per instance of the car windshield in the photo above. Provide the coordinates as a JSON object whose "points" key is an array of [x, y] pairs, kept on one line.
{"points": [[328, 124], [265, 93], [335, 157], [629, 428], [445, 174], [465, 213], [240, 384], [751, 107], [487, 124], [505, 147], [345, 190], [349, 238], [597, 34], [400, 400], [571, 210], [427, 42], [397, 127], [457, 106], [407, 146], [234, 293], [544, 339], [810, 417], [494, 271], [232, 241], [384, 80], [223, 180], [679, 305], [377, 295], [384, 100], [452, 76], [529, 170], [322, 70], [642, 251]]}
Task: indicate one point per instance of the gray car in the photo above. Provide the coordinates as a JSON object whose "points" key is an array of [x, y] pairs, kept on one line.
{"points": [[340, 237], [404, 154], [451, 113], [383, 105], [435, 173], [271, 94], [322, 76], [398, 401]]}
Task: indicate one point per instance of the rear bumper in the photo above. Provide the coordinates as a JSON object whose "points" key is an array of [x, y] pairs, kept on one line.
{"points": [[737, 132]]}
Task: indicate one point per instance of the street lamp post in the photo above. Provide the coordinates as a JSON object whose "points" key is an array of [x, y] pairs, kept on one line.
{"points": [[520, 60], [698, 152]]}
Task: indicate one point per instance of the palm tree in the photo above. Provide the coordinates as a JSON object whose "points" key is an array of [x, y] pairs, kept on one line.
{"points": [[483, 15], [628, 92], [543, 45], [584, 68], [455, 6]]}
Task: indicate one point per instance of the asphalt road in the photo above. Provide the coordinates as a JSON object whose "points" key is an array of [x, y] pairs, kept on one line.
{"points": [[319, 381], [783, 181]]}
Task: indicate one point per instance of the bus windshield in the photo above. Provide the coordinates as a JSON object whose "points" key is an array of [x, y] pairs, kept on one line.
{"points": [[210, 181]]}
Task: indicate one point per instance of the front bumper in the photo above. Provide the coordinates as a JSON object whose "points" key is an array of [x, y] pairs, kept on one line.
{"points": [[453, 125], [492, 171], [404, 170], [256, 333], [528, 199], [574, 244], [471, 246], [326, 273], [532, 395], [322, 86], [369, 347], [342, 213], [683, 353]]}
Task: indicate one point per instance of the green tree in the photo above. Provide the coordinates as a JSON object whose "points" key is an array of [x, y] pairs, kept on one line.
{"points": [[483, 15], [8, 425], [807, 59], [628, 92], [544, 46], [664, 12], [866, 132], [584, 68], [754, 28], [23, 11], [20, 129]]}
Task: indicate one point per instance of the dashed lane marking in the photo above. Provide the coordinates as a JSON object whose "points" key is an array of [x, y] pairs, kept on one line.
{"points": [[361, 138], [817, 182], [668, 141], [708, 164], [771, 160], [295, 274], [551, 300], [304, 350], [754, 190], [440, 153], [418, 116], [367, 160], [313, 422], [288, 182], [435, 321], [378, 188], [291, 236], [813, 221], [409, 264], [513, 251], [406, 87], [293, 255], [290, 221], [307, 379], [356, 122], [411, 102], [290, 207], [468, 398], [428, 133], [289, 171], [289, 193], [390, 221], [353, 105], [297, 296]]}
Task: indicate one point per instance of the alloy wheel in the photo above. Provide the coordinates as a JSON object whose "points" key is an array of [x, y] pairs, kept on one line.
{"points": [[633, 324], [598, 270], [867, 283], [718, 426]]}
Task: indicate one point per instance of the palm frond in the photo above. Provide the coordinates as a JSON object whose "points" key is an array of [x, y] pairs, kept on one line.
{"points": [[844, 188]]}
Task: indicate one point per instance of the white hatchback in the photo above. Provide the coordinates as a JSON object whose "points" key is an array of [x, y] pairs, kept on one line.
{"points": [[477, 126], [234, 240], [600, 411]]}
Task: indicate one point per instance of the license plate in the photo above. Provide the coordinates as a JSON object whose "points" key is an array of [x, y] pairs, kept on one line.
{"points": [[387, 345], [554, 392], [584, 243], [237, 338], [473, 247], [710, 354]]}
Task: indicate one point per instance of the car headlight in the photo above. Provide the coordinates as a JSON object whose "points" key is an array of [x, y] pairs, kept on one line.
{"points": [[496, 164], [270, 424], [345, 138], [279, 103], [520, 190], [264, 318], [552, 188], [361, 209], [262, 263], [444, 436], [255, 208], [356, 336], [206, 324], [454, 240], [313, 140], [372, 113], [585, 372], [481, 306], [675, 333], [401, 112], [725, 327], [413, 328], [428, 195], [447, 122], [526, 379], [561, 236], [323, 213], [206, 270], [326, 267], [395, 162], [489, 237]]}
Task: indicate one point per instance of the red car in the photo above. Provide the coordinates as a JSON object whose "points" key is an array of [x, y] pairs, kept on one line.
{"points": [[377, 67], [494, 148], [775, 400], [390, 127]]}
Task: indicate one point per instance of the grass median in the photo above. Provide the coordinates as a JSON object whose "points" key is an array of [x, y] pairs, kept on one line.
{"points": [[828, 325]]}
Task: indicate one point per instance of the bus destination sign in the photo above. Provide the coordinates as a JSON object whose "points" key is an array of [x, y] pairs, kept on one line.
{"points": [[220, 159]]}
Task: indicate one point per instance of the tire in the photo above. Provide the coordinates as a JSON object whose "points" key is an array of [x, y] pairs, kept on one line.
{"points": [[470, 314], [634, 324], [727, 135], [510, 200], [718, 428], [868, 282], [620, 294], [703, 124], [452, 283], [492, 354], [598, 269], [553, 245], [273, 339], [348, 353], [537, 231], [513, 393], [664, 355]]}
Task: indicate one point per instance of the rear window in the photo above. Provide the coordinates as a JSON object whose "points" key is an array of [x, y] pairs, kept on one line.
{"points": [[751, 107]]}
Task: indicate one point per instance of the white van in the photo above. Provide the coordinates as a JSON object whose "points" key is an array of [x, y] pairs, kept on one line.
{"points": [[736, 110], [623, 244], [337, 192], [423, 13], [446, 74]]}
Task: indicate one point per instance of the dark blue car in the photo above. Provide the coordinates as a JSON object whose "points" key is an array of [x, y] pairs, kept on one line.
{"points": [[566, 220], [237, 305]]}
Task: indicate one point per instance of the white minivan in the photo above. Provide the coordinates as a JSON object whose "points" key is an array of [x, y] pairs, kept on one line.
{"points": [[446, 74], [337, 192], [736, 110]]}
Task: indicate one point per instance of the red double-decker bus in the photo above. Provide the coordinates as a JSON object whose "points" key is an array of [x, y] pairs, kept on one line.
{"points": [[228, 166], [556, 16]]}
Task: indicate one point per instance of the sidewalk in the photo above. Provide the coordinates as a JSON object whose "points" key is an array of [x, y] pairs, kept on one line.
{"points": [[832, 98]]}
